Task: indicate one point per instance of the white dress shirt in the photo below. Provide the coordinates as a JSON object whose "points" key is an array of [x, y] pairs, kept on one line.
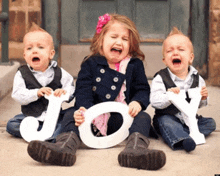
{"points": [[25, 96], [158, 96]]}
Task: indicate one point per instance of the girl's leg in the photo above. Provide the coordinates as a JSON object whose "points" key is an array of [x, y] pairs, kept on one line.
{"points": [[136, 153], [114, 123], [141, 124], [68, 122], [13, 125]]}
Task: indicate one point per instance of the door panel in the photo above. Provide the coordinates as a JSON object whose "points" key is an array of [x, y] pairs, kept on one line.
{"points": [[152, 19], [89, 16]]}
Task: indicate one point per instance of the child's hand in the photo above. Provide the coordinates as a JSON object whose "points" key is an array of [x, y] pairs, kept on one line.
{"points": [[79, 116], [44, 90], [59, 92], [175, 90], [134, 108], [204, 93]]}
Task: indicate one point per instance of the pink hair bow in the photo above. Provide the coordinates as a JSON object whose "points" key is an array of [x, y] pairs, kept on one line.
{"points": [[101, 22]]}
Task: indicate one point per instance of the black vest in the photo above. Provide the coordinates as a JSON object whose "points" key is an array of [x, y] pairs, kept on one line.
{"points": [[37, 107], [168, 82]]}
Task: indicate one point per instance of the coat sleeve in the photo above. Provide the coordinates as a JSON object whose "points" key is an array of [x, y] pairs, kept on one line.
{"points": [[83, 93], [140, 89]]}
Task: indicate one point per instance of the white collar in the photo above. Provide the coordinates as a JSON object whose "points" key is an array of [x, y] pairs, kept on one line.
{"points": [[192, 71], [51, 64]]}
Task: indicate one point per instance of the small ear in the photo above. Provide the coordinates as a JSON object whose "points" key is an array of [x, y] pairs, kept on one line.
{"points": [[164, 61], [52, 53], [191, 58]]}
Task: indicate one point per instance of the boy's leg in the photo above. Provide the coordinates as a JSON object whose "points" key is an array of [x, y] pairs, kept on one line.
{"points": [[206, 125], [136, 153], [58, 129], [174, 132], [13, 125]]}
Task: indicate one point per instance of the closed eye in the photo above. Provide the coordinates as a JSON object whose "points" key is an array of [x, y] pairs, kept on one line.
{"points": [[113, 36]]}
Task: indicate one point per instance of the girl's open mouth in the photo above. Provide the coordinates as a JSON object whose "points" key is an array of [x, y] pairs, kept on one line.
{"points": [[116, 50]]}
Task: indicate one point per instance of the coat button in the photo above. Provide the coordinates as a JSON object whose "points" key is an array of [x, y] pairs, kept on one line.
{"points": [[102, 70], [113, 87], [94, 88], [115, 79], [98, 79], [108, 96]]}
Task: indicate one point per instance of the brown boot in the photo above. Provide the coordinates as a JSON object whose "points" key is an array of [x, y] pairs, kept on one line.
{"points": [[60, 153], [136, 154]]}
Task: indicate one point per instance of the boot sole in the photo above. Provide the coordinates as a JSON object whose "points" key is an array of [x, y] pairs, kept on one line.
{"points": [[42, 153], [152, 160]]}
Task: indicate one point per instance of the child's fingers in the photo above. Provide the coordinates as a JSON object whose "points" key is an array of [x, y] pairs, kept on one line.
{"points": [[132, 112], [40, 93], [134, 108], [46, 91], [82, 109], [79, 119], [79, 116], [59, 92], [175, 90]]}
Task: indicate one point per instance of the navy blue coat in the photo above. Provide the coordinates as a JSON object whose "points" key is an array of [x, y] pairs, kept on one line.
{"points": [[98, 83]]}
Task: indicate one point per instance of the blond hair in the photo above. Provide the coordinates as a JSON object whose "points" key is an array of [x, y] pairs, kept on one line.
{"points": [[134, 38], [175, 31], [35, 28]]}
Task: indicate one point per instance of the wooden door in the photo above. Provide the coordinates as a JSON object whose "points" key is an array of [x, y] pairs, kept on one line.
{"points": [[77, 19]]}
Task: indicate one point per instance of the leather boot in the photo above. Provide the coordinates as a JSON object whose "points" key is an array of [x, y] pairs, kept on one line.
{"points": [[136, 154], [60, 153]]}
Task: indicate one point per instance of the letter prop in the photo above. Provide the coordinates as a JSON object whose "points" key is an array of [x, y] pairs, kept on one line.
{"points": [[189, 111], [29, 125], [92, 141]]}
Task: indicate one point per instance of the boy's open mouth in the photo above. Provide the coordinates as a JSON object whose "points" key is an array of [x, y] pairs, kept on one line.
{"points": [[176, 61], [116, 50], [36, 59]]}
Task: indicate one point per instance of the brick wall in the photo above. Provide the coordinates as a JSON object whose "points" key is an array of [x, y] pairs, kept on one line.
{"points": [[21, 14], [214, 43]]}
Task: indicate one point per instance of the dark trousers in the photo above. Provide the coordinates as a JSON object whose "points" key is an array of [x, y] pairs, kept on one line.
{"points": [[141, 123]]}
